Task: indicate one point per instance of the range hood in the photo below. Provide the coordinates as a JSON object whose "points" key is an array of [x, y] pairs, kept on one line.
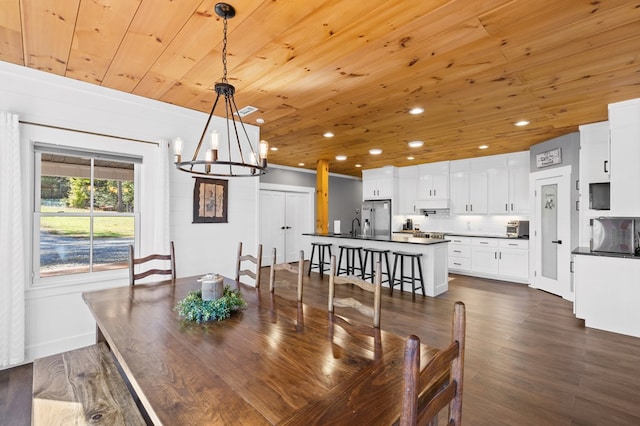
{"points": [[432, 206]]}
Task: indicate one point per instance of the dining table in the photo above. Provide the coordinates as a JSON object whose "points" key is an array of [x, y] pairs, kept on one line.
{"points": [[276, 361]]}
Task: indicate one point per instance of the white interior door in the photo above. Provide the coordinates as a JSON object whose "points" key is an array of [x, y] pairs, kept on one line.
{"points": [[552, 234], [284, 217], [272, 222]]}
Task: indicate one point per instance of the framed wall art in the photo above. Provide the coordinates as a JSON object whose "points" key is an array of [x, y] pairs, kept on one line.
{"points": [[210, 199]]}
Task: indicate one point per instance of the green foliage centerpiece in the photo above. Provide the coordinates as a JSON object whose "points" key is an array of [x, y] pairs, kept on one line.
{"points": [[193, 308]]}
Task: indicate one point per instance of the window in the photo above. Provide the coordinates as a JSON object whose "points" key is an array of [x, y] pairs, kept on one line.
{"points": [[85, 211]]}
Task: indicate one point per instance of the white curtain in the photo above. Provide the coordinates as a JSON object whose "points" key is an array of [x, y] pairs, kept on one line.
{"points": [[12, 259], [161, 184]]}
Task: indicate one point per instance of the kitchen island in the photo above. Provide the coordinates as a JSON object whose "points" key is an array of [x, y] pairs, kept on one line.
{"points": [[434, 252]]}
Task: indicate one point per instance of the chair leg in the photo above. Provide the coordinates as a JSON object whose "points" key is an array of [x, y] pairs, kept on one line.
{"points": [[386, 259], [313, 250], [421, 277], [361, 265], [321, 261], [338, 269], [392, 282]]}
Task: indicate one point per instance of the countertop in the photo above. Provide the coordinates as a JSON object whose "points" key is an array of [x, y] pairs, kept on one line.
{"points": [[587, 252], [467, 234], [412, 240]]}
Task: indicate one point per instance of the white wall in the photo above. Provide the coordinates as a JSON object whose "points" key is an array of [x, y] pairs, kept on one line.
{"points": [[57, 318]]}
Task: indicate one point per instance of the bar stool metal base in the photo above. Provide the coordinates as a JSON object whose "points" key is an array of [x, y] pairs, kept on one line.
{"points": [[409, 279], [323, 262], [369, 259], [350, 256]]}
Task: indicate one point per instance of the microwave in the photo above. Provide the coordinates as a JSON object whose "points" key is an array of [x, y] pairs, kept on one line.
{"points": [[518, 229], [614, 235]]}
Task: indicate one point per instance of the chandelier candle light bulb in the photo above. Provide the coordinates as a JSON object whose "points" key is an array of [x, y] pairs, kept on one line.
{"points": [[178, 144]]}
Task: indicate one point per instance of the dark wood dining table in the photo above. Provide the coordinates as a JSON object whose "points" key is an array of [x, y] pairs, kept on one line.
{"points": [[275, 362]]}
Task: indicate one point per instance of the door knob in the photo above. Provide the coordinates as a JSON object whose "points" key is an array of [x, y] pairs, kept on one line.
{"points": [[557, 241]]}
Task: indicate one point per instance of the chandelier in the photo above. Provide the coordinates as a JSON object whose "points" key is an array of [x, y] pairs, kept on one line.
{"points": [[238, 156]]}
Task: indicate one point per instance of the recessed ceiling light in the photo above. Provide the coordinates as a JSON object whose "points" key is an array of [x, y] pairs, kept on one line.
{"points": [[358, 165], [521, 123], [300, 164], [328, 135], [411, 158], [483, 147], [341, 157], [415, 144], [274, 148], [416, 111], [375, 151], [260, 120]]}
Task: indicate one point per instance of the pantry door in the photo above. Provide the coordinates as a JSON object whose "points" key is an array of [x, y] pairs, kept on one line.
{"points": [[551, 236]]}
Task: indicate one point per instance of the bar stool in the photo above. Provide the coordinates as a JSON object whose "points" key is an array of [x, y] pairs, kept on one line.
{"points": [[351, 260], [414, 259], [369, 256], [321, 262]]}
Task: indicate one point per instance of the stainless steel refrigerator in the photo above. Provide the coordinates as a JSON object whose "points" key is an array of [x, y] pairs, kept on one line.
{"points": [[377, 214]]}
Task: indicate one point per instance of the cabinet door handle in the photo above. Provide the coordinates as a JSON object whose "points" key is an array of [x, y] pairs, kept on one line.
{"points": [[466, 207], [511, 206], [557, 241], [571, 266], [457, 264], [506, 207], [606, 163], [434, 192], [500, 255], [470, 207], [495, 255], [457, 251], [484, 242], [512, 244], [578, 205]]}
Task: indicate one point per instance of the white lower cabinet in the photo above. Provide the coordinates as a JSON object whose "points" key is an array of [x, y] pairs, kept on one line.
{"points": [[498, 258]]}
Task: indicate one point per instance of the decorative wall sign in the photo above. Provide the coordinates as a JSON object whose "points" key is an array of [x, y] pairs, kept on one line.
{"points": [[210, 197], [549, 158]]}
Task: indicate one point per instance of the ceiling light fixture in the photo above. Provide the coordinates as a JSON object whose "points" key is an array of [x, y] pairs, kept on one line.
{"points": [[240, 157], [328, 135], [521, 123], [300, 164], [273, 148], [358, 165], [341, 157], [260, 120], [375, 151], [411, 158], [415, 144], [483, 147], [416, 111]]}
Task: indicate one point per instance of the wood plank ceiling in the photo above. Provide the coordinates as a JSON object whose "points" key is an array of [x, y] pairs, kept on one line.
{"points": [[354, 68]]}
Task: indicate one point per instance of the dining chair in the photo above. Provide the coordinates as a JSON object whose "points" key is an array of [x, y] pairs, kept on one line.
{"points": [[294, 269], [255, 260], [350, 302], [427, 392], [133, 262]]}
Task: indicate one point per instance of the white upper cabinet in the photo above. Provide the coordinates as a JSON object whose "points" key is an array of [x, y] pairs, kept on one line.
{"points": [[407, 189], [624, 121], [379, 184], [594, 154], [468, 180], [508, 183], [433, 181]]}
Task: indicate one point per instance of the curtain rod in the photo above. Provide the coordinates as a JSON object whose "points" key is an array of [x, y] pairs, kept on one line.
{"points": [[86, 132]]}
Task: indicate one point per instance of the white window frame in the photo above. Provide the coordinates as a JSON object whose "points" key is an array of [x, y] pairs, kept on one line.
{"points": [[86, 277]]}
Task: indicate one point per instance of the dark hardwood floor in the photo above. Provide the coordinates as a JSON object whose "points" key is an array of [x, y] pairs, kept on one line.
{"points": [[529, 361]]}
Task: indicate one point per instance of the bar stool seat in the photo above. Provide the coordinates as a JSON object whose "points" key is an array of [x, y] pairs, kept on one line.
{"points": [[350, 255], [370, 260], [409, 279], [323, 262]]}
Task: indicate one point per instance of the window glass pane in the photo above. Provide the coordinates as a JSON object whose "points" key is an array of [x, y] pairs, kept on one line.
{"points": [[64, 245], [65, 183], [111, 238]]}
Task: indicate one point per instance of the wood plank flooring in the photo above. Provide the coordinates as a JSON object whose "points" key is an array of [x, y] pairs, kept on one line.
{"points": [[529, 361]]}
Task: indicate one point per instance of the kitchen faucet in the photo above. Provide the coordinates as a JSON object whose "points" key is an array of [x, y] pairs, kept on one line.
{"points": [[353, 231]]}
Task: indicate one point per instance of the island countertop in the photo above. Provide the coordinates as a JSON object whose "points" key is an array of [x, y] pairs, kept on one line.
{"points": [[392, 239]]}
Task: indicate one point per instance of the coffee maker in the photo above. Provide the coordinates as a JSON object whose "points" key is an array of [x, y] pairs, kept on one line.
{"points": [[408, 225]]}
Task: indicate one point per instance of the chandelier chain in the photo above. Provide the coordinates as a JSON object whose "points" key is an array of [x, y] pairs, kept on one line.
{"points": [[224, 51]]}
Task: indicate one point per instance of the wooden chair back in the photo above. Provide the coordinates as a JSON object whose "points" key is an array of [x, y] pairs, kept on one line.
{"points": [[427, 392], [349, 302], [297, 269], [133, 276], [255, 260]]}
